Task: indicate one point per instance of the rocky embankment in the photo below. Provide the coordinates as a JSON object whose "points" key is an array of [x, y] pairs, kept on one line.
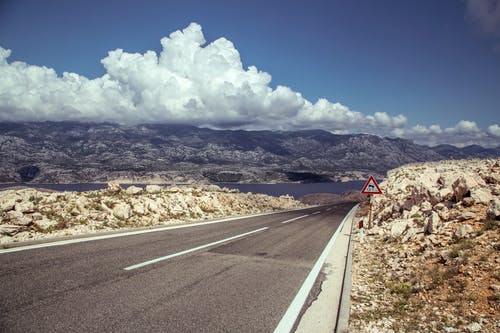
{"points": [[431, 262], [27, 214]]}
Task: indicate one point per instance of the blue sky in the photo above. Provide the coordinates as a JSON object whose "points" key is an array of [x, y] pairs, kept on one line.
{"points": [[424, 70]]}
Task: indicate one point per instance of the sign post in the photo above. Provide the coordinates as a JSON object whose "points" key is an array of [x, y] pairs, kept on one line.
{"points": [[371, 187]]}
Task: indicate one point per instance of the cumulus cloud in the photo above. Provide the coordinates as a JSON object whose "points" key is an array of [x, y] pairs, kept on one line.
{"points": [[464, 133], [192, 82], [189, 81], [494, 130]]}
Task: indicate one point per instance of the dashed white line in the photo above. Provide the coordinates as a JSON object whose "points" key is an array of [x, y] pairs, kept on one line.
{"points": [[315, 213], [329, 209], [149, 262], [295, 218]]}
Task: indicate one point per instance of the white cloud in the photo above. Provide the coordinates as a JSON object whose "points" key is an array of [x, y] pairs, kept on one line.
{"points": [[463, 127], [189, 82], [196, 83], [464, 133], [494, 130]]}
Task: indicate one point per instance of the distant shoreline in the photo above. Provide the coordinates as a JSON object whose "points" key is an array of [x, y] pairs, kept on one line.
{"points": [[297, 190]]}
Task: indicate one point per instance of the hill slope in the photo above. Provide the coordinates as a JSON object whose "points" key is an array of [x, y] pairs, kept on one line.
{"points": [[88, 152]]}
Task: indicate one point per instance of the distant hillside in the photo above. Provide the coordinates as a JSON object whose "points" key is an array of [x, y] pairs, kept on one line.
{"points": [[97, 152]]}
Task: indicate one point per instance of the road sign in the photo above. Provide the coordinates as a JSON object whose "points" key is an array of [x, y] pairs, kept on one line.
{"points": [[371, 187]]}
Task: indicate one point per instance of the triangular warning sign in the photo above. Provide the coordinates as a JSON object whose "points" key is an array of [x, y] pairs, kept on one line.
{"points": [[371, 187]]}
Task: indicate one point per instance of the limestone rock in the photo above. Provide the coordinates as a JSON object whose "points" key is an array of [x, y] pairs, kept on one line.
{"points": [[8, 200], [45, 224], [153, 189], [432, 223], [122, 211], [493, 211], [9, 229], [138, 208], [462, 186], [474, 327], [481, 195], [398, 227], [114, 187], [133, 190]]}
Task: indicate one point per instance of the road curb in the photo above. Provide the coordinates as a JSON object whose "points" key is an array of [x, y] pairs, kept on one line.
{"points": [[329, 312]]}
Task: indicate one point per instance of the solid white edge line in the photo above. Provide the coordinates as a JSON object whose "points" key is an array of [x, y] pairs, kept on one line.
{"points": [[295, 218], [288, 320], [149, 262], [130, 233]]}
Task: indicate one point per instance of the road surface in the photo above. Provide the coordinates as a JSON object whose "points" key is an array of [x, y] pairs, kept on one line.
{"points": [[234, 276]]}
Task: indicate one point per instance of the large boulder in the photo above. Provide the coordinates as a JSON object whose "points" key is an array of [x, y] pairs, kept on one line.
{"points": [[153, 189], [121, 211], [25, 207], [481, 196], [8, 200], [45, 224], [133, 190], [398, 227]]}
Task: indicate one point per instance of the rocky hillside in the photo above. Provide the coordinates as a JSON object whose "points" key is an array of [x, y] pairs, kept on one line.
{"points": [[62, 152], [430, 263], [27, 214]]}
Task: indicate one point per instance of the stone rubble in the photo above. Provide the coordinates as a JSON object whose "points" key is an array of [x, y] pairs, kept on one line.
{"points": [[430, 262], [29, 214]]}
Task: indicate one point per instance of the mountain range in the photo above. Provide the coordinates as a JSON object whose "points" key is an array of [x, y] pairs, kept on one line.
{"points": [[65, 152]]}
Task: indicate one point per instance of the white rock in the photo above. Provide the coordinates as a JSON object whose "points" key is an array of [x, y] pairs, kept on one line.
{"points": [[133, 190], [153, 189], [481, 196], [8, 200], [114, 187], [122, 211], [25, 207], [398, 227], [152, 205], [9, 230], [426, 206], [138, 208], [474, 327], [45, 224]]}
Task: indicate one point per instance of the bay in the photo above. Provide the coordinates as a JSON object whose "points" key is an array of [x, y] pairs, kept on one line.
{"points": [[297, 190]]}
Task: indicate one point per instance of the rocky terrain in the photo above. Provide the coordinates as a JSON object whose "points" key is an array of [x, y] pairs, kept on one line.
{"points": [[28, 214], [431, 262], [65, 152]]}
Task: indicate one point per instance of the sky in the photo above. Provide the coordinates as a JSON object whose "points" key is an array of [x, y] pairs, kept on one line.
{"points": [[423, 70]]}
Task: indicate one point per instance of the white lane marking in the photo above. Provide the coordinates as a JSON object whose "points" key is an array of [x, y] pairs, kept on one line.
{"points": [[295, 218], [129, 233], [286, 323], [149, 262], [329, 209], [316, 213]]}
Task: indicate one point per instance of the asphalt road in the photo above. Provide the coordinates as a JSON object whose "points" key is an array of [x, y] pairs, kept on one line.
{"points": [[242, 284]]}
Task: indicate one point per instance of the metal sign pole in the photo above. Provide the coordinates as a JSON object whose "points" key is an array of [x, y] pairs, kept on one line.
{"points": [[370, 215]]}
